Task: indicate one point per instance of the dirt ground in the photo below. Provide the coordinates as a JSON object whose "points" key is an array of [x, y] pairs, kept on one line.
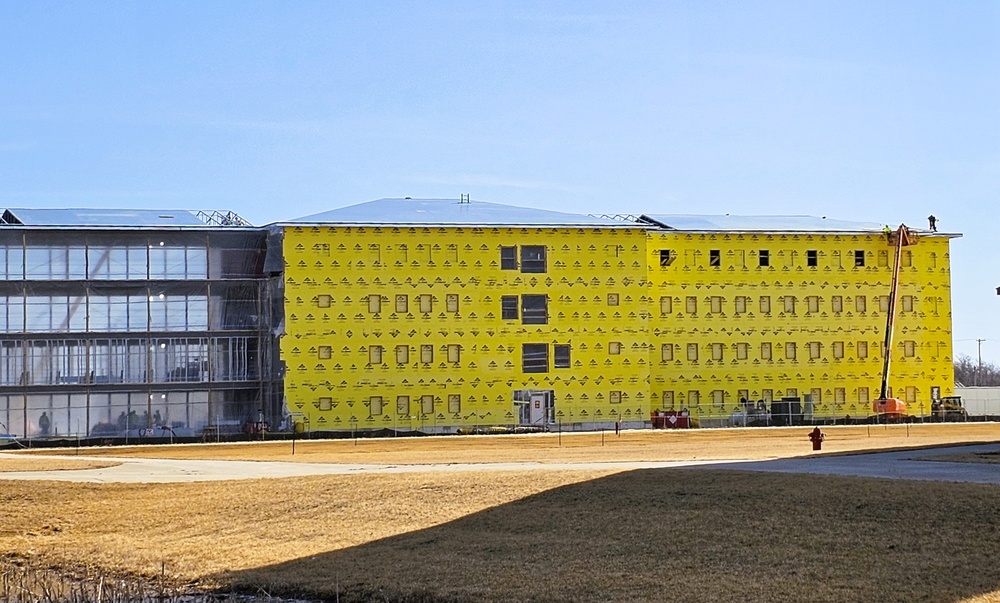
{"points": [[645, 445], [9, 463]]}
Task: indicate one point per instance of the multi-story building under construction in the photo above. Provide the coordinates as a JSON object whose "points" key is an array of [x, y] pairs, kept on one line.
{"points": [[436, 315]]}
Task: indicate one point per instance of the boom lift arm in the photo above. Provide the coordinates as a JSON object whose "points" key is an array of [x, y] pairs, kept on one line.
{"points": [[885, 405]]}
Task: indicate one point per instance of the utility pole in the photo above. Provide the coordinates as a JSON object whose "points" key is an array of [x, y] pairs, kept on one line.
{"points": [[979, 371]]}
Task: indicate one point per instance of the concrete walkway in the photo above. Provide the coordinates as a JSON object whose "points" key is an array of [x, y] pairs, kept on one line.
{"points": [[900, 464], [892, 465], [140, 470]]}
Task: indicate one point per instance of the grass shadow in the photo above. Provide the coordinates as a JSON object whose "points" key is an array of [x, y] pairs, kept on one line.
{"points": [[679, 535]]}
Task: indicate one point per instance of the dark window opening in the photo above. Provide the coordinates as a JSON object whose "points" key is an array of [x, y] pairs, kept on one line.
{"points": [[534, 309], [560, 356], [812, 257], [714, 258], [535, 357], [508, 258], [764, 258], [666, 257], [508, 307], [859, 258], [533, 258]]}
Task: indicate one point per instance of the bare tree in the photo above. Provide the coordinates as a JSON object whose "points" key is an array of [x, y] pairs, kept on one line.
{"points": [[968, 372]]}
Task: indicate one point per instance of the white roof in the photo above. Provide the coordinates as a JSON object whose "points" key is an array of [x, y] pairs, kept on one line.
{"points": [[452, 212], [731, 223], [101, 217]]}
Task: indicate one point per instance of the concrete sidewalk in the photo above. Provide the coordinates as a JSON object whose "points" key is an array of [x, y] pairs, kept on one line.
{"points": [[899, 464]]}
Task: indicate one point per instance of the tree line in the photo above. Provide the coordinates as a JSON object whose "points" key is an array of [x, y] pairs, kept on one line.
{"points": [[969, 372]]}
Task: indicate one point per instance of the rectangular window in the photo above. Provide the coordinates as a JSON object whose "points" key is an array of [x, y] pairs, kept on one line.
{"points": [[612, 299], [910, 395], [402, 303], [508, 307], [790, 350], [883, 303], [862, 349], [561, 356], [454, 352], [714, 258], [812, 302], [883, 259], [533, 258], [666, 304], [508, 258], [615, 397], [667, 401], [860, 303], [374, 304], [667, 257], [535, 358], [909, 349], [667, 352], [859, 258], [694, 398], [451, 302], [767, 395], [716, 351], [789, 304], [765, 351], [740, 304], [534, 309], [426, 303], [454, 403], [742, 351], [325, 352], [814, 350], [816, 394], [402, 354], [426, 353], [324, 301], [692, 304], [402, 405], [718, 398], [692, 352], [716, 304], [427, 405], [837, 304], [838, 349], [764, 258], [839, 395], [863, 395], [325, 403], [375, 405], [812, 257], [374, 354], [614, 348], [906, 258], [765, 304], [907, 303]]}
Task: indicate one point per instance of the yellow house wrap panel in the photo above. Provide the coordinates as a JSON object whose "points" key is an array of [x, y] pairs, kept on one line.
{"points": [[451, 324]]}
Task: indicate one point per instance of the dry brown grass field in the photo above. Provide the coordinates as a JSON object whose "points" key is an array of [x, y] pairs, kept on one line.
{"points": [[704, 444], [26, 463], [664, 534]]}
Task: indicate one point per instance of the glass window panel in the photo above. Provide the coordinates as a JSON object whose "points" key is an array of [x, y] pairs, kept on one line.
{"points": [[12, 266], [77, 314], [176, 262], [138, 313], [157, 261], [197, 263], [76, 263], [137, 268]]}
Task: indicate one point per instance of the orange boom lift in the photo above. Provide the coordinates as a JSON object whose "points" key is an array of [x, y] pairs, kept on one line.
{"points": [[885, 407]]}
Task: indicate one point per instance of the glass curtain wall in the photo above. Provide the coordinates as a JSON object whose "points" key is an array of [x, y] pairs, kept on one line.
{"points": [[108, 333]]}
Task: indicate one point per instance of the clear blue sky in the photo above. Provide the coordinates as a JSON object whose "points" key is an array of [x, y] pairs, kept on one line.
{"points": [[874, 111]]}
